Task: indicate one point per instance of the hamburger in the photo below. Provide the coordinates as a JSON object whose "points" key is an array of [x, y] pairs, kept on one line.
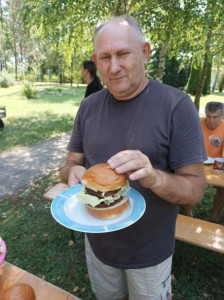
{"points": [[104, 192]]}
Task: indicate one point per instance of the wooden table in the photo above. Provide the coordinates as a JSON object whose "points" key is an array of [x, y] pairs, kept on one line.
{"points": [[10, 274], [214, 177]]}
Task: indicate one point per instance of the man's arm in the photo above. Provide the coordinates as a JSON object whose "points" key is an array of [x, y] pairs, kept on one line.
{"points": [[73, 169], [185, 186]]}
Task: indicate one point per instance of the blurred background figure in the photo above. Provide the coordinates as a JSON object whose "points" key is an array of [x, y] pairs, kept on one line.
{"points": [[213, 132], [88, 72]]}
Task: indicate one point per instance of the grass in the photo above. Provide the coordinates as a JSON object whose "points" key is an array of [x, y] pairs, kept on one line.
{"points": [[41, 246], [34, 120]]}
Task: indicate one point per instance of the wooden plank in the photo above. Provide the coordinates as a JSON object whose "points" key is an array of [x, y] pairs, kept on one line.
{"points": [[10, 274], [54, 191], [214, 177], [200, 233], [50, 292]]}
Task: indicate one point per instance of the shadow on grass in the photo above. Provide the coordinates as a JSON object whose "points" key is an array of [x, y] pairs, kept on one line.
{"points": [[220, 94], [20, 132], [75, 98], [71, 94]]}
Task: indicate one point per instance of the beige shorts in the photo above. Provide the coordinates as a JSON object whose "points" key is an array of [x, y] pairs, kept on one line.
{"points": [[108, 283]]}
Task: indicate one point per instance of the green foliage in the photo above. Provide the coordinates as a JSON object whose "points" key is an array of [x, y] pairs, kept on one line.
{"points": [[6, 80], [56, 89], [176, 74], [31, 77], [194, 77], [221, 82], [54, 78], [46, 78], [28, 90]]}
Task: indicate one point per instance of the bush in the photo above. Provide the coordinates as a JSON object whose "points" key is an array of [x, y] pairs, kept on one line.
{"points": [[6, 80], [31, 77], [28, 91], [221, 83], [54, 78], [54, 90], [46, 78]]}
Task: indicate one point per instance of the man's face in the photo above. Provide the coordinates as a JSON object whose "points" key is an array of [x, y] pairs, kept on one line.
{"points": [[213, 119], [120, 58], [83, 72]]}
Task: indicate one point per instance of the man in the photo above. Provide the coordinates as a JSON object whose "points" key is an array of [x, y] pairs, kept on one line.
{"points": [[89, 73], [213, 131], [148, 131]]}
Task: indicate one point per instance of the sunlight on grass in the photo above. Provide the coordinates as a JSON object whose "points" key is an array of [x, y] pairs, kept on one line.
{"points": [[30, 121]]}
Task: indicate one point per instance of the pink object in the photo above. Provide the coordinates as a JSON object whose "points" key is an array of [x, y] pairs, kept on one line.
{"points": [[2, 255]]}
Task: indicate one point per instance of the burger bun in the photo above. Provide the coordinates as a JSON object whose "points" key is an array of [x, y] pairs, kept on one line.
{"points": [[19, 291], [110, 212], [102, 178]]}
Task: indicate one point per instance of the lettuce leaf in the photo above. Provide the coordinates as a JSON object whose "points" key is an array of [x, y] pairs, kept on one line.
{"points": [[94, 200]]}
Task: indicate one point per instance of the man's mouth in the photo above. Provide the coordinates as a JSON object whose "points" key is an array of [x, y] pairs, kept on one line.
{"points": [[117, 79]]}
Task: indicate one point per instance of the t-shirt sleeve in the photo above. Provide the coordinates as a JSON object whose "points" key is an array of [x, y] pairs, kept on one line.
{"points": [[187, 142], [75, 143]]}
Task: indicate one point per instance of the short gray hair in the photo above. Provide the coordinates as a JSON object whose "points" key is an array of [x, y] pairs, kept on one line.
{"points": [[214, 106], [129, 19]]}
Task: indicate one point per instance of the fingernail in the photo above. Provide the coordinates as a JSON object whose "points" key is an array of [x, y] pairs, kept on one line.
{"points": [[110, 163]]}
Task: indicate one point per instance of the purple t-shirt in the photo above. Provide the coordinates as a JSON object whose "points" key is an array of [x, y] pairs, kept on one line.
{"points": [[163, 123]]}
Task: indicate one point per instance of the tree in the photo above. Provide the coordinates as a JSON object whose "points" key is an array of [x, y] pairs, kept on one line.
{"points": [[195, 75], [213, 22]]}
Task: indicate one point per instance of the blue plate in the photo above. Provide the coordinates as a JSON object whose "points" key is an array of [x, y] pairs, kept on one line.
{"points": [[68, 211]]}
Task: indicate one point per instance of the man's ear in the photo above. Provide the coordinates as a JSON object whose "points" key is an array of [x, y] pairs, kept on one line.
{"points": [[146, 51], [95, 58]]}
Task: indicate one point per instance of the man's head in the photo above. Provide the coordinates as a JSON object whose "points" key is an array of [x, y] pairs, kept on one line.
{"points": [[88, 66], [214, 114], [120, 55]]}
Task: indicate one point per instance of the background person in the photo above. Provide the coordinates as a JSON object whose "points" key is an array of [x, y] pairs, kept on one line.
{"points": [[89, 73], [148, 131], [213, 132]]}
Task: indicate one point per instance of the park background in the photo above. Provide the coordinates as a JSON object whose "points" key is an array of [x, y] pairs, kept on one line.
{"points": [[42, 46]]}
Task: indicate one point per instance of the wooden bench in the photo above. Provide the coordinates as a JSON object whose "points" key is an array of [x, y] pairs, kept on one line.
{"points": [[190, 230], [10, 275]]}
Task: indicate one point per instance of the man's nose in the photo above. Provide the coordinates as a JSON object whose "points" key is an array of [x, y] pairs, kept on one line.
{"points": [[115, 65]]}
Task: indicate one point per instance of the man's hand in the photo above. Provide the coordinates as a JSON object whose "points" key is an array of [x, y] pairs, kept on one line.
{"points": [[185, 186], [73, 170], [75, 175], [136, 164]]}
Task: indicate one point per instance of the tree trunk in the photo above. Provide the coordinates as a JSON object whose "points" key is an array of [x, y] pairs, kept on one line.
{"points": [[14, 40], [72, 69], [162, 59], [216, 79], [60, 70], [202, 82], [204, 68]]}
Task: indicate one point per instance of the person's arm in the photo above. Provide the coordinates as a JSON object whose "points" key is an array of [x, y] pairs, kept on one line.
{"points": [[73, 169], [185, 186]]}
